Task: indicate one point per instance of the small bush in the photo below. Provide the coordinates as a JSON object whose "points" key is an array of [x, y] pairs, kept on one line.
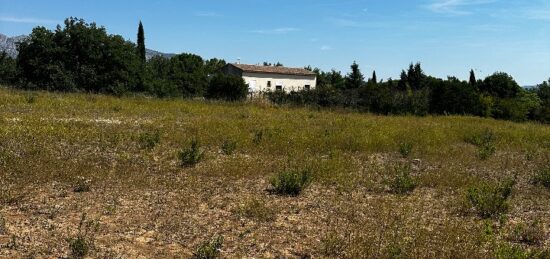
{"points": [[405, 149], [489, 199], [82, 185], [532, 233], [402, 182], [192, 155], [257, 209], [542, 177], [485, 142], [290, 182], [80, 245], [149, 140], [210, 249], [228, 147]]}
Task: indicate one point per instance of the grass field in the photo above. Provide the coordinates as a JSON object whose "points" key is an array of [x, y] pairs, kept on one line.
{"points": [[102, 176]]}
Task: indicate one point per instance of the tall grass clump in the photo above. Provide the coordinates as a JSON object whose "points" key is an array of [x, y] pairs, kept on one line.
{"points": [[229, 147], [485, 142], [542, 177], [191, 155], [290, 182], [209, 249], [149, 140], [405, 149], [489, 200], [257, 209], [402, 182]]}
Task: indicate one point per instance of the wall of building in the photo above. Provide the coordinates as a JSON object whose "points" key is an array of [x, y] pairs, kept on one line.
{"points": [[259, 82]]}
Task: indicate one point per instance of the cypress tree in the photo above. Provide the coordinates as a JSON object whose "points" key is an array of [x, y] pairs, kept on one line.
{"points": [[374, 79], [141, 43], [472, 78]]}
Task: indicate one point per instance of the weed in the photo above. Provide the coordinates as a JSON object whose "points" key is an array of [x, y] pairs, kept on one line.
{"points": [[405, 149], [80, 245], [514, 251], [30, 98], [149, 140], [192, 155], [82, 185], [542, 177], [257, 209], [485, 142], [490, 199], [290, 182], [258, 137], [402, 181], [531, 233], [229, 147], [209, 249], [333, 245]]}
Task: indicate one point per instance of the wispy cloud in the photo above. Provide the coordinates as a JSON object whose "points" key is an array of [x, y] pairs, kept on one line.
{"points": [[456, 7], [283, 30], [538, 14], [28, 20], [207, 14]]}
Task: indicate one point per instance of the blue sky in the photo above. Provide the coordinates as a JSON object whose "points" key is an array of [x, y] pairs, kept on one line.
{"points": [[448, 37]]}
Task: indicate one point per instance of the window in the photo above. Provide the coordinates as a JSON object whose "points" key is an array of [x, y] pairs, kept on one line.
{"points": [[269, 84], [279, 87], [307, 87]]}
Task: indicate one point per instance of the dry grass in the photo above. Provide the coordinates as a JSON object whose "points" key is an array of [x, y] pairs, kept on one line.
{"points": [[146, 204]]}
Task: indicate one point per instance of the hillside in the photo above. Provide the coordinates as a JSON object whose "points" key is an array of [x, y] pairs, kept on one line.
{"points": [[9, 45], [399, 186]]}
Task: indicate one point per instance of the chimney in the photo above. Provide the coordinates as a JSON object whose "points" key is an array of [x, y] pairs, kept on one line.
{"points": [[238, 61]]}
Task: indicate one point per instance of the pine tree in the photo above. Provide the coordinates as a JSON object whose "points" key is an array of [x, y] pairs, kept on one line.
{"points": [[472, 78], [403, 81], [141, 43], [354, 79]]}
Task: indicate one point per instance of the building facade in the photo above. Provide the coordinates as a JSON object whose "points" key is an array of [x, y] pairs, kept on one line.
{"points": [[269, 78]]}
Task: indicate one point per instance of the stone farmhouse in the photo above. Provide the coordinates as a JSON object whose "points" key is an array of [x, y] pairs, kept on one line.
{"points": [[271, 78]]}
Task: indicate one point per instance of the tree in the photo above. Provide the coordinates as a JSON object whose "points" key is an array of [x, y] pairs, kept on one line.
{"points": [[500, 85], [8, 72], [403, 81], [415, 76], [355, 78], [141, 43], [227, 87], [374, 79], [472, 81]]}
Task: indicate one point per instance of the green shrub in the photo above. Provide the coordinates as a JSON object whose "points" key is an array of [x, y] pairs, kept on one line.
{"points": [[542, 177], [80, 245], [485, 142], [290, 182], [257, 209], [514, 251], [402, 182], [192, 155], [149, 140], [405, 149], [227, 87], [228, 147], [490, 199], [210, 249]]}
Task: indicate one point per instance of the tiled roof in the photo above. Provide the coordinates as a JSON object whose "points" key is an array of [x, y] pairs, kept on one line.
{"points": [[274, 70]]}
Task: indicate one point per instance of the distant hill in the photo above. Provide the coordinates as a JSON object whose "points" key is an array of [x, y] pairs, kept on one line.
{"points": [[9, 45]]}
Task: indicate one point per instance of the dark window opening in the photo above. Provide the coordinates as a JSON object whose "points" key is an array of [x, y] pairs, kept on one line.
{"points": [[279, 87], [268, 83], [307, 87]]}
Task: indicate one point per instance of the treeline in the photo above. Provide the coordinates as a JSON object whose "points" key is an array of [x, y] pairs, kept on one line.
{"points": [[83, 57], [80, 56], [498, 96]]}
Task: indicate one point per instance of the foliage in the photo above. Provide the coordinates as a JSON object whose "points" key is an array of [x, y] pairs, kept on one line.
{"points": [[402, 182], [405, 148], [355, 79], [490, 199], [485, 142], [542, 177], [141, 43], [82, 185], [209, 249], [192, 155], [8, 69], [229, 147], [531, 233], [80, 245], [227, 87], [290, 182], [77, 57], [149, 140]]}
